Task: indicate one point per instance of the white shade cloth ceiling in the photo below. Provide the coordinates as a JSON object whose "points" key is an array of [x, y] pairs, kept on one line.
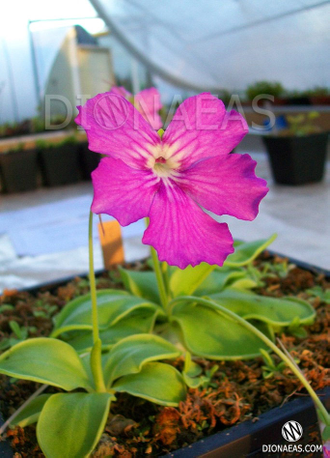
{"points": [[214, 44]]}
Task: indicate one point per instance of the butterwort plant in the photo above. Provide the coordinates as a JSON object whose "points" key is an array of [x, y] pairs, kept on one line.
{"points": [[197, 295], [69, 424], [171, 179]]}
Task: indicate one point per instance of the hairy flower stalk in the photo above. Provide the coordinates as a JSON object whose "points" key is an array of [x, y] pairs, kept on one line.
{"points": [[95, 358]]}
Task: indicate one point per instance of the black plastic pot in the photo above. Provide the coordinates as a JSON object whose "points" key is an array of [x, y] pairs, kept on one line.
{"points": [[247, 439], [297, 160], [252, 437], [88, 160], [18, 170], [59, 164], [5, 450]]}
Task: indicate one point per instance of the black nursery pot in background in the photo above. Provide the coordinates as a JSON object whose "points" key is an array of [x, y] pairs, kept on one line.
{"points": [[297, 160], [18, 170], [59, 164], [88, 160]]}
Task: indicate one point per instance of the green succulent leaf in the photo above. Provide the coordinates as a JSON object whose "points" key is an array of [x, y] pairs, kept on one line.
{"points": [[113, 306], [275, 311], [130, 354], [192, 373], [244, 284], [141, 284], [220, 279], [31, 412], [45, 360], [246, 252], [318, 291], [70, 424], [21, 333], [156, 382], [190, 367], [326, 434], [186, 281], [207, 333], [75, 307], [140, 322]]}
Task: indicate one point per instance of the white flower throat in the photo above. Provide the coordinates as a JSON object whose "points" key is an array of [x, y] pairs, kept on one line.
{"points": [[163, 162]]}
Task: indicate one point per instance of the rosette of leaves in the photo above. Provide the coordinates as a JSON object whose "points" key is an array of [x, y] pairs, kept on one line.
{"points": [[70, 423], [200, 328]]}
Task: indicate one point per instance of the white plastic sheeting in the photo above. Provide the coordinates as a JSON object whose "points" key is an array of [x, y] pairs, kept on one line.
{"points": [[47, 44], [228, 44], [200, 44], [18, 98]]}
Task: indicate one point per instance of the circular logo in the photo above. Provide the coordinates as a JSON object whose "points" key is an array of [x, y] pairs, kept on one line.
{"points": [[110, 111], [292, 431]]}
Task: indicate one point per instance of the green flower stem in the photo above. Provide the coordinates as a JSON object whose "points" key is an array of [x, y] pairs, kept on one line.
{"points": [[165, 272], [160, 278], [159, 274], [95, 360], [268, 342]]}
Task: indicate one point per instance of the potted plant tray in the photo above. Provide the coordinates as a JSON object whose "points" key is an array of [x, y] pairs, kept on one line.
{"points": [[257, 436]]}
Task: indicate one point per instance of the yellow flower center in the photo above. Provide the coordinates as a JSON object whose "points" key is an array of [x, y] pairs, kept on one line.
{"points": [[163, 162]]}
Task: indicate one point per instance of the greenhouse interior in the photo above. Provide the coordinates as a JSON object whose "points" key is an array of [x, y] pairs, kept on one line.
{"points": [[164, 171]]}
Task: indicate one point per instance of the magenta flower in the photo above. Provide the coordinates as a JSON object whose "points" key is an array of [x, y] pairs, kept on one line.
{"points": [[147, 102], [170, 179]]}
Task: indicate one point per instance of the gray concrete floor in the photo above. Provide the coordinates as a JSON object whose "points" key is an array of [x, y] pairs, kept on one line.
{"points": [[43, 233]]}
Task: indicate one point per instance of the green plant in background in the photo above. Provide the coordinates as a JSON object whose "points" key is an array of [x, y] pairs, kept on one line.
{"points": [[20, 333], [274, 88], [302, 124], [15, 149], [37, 124], [317, 91], [43, 144], [317, 291]]}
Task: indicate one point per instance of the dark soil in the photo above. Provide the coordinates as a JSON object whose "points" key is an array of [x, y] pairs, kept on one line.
{"points": [[237, 391]]}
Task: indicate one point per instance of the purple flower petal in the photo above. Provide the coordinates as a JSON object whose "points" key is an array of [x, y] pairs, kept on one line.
{"points": [[182, 233], [169, 179], [148, 103], [122, 191], [225, 186], [114, 127], [201, 128]]}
